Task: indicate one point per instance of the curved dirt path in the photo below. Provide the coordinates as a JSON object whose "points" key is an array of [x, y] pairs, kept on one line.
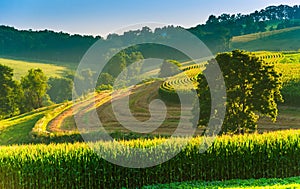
{"points": [[80, 108]]}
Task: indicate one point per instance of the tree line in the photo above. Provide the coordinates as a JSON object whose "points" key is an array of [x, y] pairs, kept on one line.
{"points": [[34, 90], [21, 96], [215, 33]]}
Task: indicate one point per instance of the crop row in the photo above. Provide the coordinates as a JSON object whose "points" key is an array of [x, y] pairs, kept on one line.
{"points": [[78, 166], [183, 81], [287, 64], [265, 55], [290, 72]]}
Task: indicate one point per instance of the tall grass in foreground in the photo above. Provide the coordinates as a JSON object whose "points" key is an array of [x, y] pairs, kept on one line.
{"points": [[268, 155]]}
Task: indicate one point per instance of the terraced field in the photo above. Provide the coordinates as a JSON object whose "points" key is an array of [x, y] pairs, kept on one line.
{"points": [[48, 124], [184, 81], [286, 63], [58, 120]]}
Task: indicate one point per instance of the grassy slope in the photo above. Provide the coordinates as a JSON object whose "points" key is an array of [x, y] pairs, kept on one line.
{"points": [[278, 40], [16, 130], [254, 36], [21, 67], [290, 58]]}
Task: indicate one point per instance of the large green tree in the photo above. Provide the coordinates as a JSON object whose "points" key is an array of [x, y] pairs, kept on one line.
{"points": [[252, 89], [35, 86], [9, 93]]}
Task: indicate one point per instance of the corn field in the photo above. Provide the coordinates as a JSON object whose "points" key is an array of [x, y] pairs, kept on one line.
{"points": [[77, 166]]}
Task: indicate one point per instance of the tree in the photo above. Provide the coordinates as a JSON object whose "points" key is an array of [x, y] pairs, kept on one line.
{"points": [[60, 89], [252, 87], [116, 64], [212, 19], [105, 81], [169, 68], [9, 93], [35, 86]]}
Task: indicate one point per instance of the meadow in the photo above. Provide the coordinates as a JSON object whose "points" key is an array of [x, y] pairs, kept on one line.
{"points": [[59, 121], [270, 40], [16, 130], [21, 67]]}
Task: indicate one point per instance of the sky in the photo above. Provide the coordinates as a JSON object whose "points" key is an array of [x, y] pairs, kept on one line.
{"points": [[101, 17]]}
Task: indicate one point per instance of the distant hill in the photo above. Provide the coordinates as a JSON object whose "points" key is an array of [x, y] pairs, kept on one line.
{"points": [[43, 45], [21, 67], [216, 33], [277, 40]]}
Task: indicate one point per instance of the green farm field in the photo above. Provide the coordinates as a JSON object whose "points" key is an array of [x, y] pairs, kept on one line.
{"points": [[55, 124], [230, 157], [255, 36], [279, 40], [62, 122], [17, 130], [21, 67], [207, 104]]}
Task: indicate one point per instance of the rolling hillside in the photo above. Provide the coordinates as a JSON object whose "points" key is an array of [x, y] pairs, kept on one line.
{"points": [[21, 67], [277, 40], [159, 124], [56, 123]]}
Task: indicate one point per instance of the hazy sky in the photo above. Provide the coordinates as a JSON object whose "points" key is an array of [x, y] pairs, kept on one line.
{"points": [[100, 17]]}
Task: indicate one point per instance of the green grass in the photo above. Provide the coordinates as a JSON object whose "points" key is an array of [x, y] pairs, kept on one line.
{"points": [[21, 67], [293, 182], [254, 36], [278, 40], [16, 130], [290, 57], [290, 111]]}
